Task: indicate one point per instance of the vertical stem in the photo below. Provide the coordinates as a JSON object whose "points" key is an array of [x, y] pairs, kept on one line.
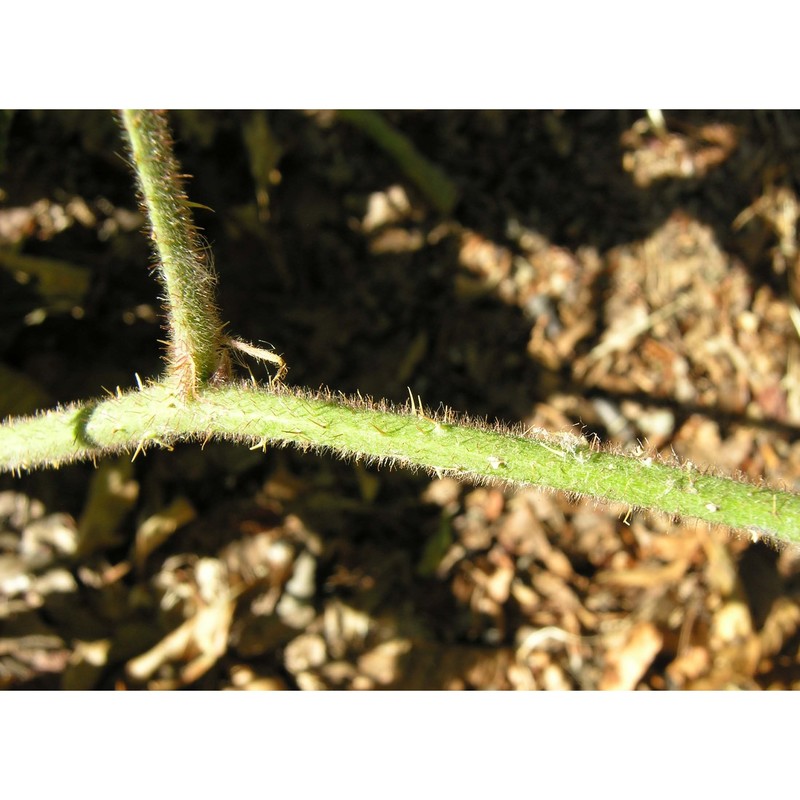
{"points": [[195, 351]]}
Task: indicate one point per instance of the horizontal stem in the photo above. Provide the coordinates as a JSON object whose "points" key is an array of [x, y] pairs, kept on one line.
{"points": [[378, 434]]}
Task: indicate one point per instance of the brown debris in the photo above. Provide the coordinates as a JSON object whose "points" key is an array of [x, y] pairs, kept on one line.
{"points": [[654, 153]]}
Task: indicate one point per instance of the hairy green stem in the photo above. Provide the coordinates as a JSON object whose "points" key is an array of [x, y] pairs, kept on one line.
{"points": [[194, 408], [195, 349], [158, 416]]}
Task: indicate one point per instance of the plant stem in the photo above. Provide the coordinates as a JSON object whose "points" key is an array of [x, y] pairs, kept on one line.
{"points": [[348, 427], [195, 351], [187, 405], [431, 181]]}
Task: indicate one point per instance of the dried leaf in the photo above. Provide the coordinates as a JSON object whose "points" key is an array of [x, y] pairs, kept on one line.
{"points": [[155, 530], [201, 640], [626, 665]]}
